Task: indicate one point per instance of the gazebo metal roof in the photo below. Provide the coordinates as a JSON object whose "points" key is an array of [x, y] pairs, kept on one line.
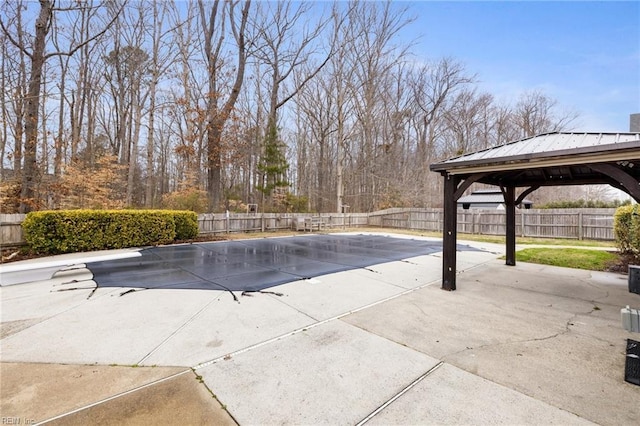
{"points": [[549, 159]]}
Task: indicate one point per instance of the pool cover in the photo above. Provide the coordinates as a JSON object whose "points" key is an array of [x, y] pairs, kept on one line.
{"points": [[254, 265]]}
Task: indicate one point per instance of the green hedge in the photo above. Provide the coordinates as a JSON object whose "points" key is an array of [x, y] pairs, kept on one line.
{"points": [[186, 224], [68, 231], [626, 228]]}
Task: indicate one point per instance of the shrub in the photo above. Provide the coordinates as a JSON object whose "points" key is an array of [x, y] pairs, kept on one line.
{"points": [[187, 199], [296, 203], [584, 204], [626, 228], [68, 231], [186, 224]]}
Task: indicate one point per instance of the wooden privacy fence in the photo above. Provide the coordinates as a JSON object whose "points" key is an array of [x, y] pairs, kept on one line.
{"points": [[591, 224], [10, 229], [218, 223], [588, 224], [221, 223]]}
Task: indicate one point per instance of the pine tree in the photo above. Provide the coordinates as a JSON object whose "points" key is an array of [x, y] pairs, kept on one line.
{"points": [[273, 168]]}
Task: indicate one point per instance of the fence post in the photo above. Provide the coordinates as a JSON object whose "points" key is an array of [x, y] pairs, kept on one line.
{"points": [[522, 224], [473, 222], [580, 230], [262, 222]]}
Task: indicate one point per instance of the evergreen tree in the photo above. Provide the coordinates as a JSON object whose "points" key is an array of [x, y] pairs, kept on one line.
{"points": [[273, 168]]}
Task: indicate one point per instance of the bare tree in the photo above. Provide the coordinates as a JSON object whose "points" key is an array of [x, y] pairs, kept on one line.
{"points": [[315, 118], [4, 104], [38, 58], [127, 68], [228, 100], [251, 113], [343, 70], [323, 106], [433, 87], [377, 56], [160, 61], [84, 96], [505, 128], [185, 112], [32, 110], [285, 46], [535, 113], [213, 21], [14, 82], [464, 120]]}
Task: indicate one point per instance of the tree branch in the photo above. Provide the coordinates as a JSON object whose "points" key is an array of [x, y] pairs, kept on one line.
{"points": [[84, 43], [13, 41]]}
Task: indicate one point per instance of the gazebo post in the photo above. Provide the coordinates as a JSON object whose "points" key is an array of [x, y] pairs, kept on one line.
{"points": [[510, 206], [449, 232]]}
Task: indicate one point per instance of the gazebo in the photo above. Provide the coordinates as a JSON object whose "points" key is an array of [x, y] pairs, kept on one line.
{"points": [[549, 159]]}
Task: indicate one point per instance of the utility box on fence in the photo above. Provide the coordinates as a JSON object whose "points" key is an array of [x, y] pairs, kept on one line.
{"points": [[634, 279], [630, 319], [632, 363]]}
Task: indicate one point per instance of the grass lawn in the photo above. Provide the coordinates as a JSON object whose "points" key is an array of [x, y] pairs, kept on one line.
{"points": [[578, 258], [538, 241], [496, 239]]}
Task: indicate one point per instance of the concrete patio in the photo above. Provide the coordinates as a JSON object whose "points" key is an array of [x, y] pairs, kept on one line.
{"points": [[527, 344]]}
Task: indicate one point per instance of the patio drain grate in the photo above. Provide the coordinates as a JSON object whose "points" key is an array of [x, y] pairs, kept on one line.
{"points": [[632, 363]]}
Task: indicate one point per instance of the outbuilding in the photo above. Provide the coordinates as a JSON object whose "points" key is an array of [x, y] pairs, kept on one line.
{"points": [[488, 199]]}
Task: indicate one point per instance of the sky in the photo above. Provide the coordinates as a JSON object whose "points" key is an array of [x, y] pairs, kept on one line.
{"points": [[584, 54]]}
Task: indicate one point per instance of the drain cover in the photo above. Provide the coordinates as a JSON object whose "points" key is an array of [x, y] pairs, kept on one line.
{"points": [[632, 363]]}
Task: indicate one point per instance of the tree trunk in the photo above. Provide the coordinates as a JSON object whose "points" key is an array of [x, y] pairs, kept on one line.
{"points": [[150, 182], [214, 165], [218, 116], [43, 22]]}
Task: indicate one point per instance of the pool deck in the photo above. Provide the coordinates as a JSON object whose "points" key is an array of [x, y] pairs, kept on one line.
{"points": [[524, 344]]}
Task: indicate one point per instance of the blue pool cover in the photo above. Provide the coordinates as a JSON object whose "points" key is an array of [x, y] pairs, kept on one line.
{"points": [[254, 265]]}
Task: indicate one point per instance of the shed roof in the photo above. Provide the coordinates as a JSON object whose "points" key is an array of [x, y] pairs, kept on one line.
{"points": [[486, 196]]}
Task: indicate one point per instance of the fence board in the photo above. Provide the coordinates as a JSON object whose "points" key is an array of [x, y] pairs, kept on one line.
{"points": [[10, 230], [593, 224]]}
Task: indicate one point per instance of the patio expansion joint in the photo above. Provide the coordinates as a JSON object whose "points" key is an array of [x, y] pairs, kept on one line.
{"points": [[399, 394], [118, 395], [214, 396], [177, 330], [376, 277], [280, 300], [40, 320], [307, 327]]}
